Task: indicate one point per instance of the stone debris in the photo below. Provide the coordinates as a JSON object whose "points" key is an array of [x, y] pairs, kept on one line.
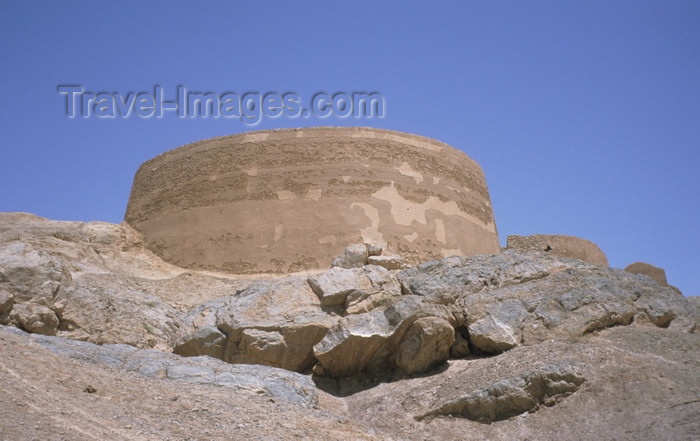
{"points": [[517, 298], [354, 256], [389, 262]]}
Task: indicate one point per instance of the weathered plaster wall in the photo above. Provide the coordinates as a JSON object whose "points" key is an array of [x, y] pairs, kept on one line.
{"points": [[559, 245], [293, 199]]}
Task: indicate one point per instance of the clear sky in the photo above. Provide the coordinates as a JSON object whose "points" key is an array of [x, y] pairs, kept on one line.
{"points": [[585, 116]]}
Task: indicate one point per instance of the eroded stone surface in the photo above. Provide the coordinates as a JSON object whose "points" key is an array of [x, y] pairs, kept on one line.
{"points": [[506, 398], [84, 281], [540, 310], [518, 298], [277, 383], [380, 339], [274, 323], [6, 301], [35, 318], [355, 289], [389, 262], [354, 256]]}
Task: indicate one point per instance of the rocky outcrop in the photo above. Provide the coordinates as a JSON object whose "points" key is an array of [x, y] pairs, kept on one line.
{"points": [[559, 245], [270, 201], [274, 323], [72, 279], [35, 318], [490, 304], [391, 338], [276, 383], [656, 273], [7, 300], [557, 389], [48, 300], [522, 298], [355, 290], [344, 321], [543, 385], [572, 336]]}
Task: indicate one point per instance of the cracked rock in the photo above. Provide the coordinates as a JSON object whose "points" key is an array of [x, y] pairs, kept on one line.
{"points": [[503, 399]]}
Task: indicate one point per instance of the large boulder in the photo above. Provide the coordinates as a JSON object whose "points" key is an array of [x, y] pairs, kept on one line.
{"points": [[391, 338], [275, 323], [31, 274], [51, 294], [35, 318], [77, 281], [356, 289], [426, 344]]}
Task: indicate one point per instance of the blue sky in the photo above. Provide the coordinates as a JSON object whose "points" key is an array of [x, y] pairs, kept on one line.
{"points": [[584, 115]]}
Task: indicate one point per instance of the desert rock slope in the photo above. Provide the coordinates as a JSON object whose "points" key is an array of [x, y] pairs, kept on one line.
{"points": [[102, 339]]}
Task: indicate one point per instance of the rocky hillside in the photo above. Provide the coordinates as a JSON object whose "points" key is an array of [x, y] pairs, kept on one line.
{"points": [[101, 339]]}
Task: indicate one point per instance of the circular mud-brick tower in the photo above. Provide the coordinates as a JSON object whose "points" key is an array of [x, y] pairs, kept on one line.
{"points": [[291, 200]]}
